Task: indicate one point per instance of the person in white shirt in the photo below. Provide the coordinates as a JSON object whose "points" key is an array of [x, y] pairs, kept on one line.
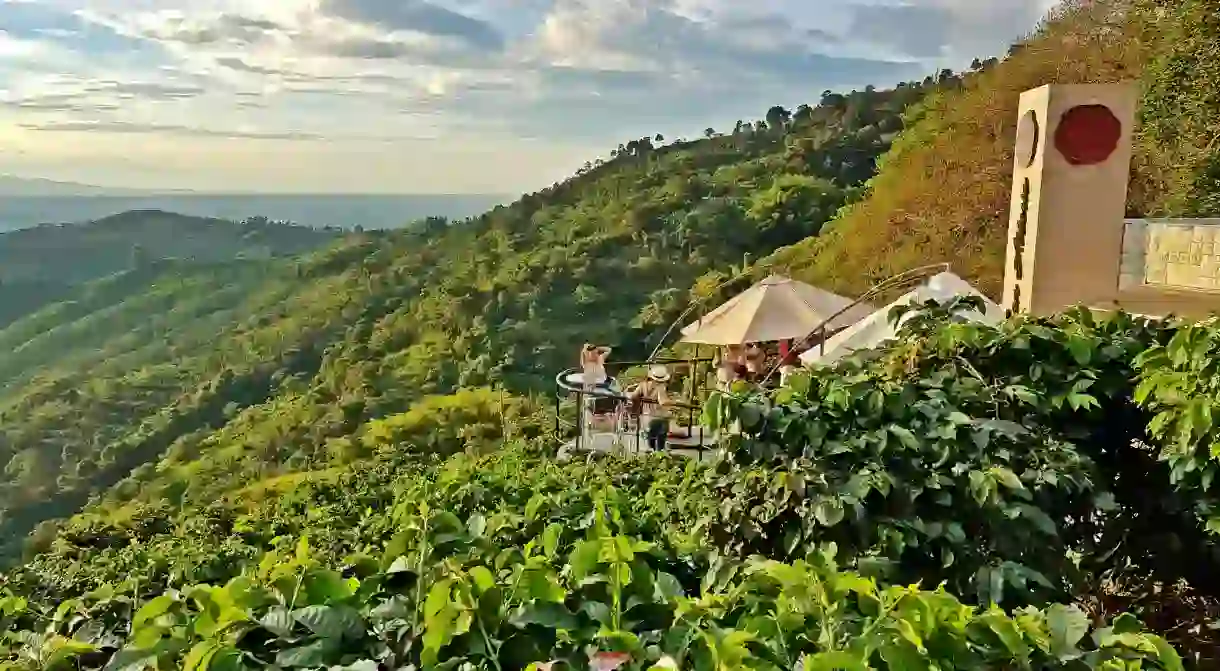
{"points": [[593, 365]]}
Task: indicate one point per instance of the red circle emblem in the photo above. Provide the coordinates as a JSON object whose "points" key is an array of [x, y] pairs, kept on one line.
{"points": [[1087, 134]]}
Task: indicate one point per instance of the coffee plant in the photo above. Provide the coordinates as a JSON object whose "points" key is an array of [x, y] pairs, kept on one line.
{"points": [[450, 593], [1038, 460], [964, 497]]}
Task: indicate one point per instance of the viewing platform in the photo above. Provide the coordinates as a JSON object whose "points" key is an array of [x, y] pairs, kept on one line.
{"points": [[606, 419]]}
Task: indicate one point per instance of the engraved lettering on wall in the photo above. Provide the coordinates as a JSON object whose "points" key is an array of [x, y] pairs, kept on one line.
{"points": [[1018, 246]]}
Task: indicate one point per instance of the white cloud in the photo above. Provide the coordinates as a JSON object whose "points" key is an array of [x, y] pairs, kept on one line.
{"points": [[408, 77]]}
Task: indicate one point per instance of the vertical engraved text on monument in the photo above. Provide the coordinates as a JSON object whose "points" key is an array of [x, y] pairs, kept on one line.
{"points": [[1018, 246]]}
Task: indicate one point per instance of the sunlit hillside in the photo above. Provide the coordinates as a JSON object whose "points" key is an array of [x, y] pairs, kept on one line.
{"points": [[942, 193]]}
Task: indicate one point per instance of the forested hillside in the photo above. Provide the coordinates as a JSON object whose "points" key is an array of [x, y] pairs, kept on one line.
{"points": [[177, 382], [943, 191], [45, 264], [348, 448]]}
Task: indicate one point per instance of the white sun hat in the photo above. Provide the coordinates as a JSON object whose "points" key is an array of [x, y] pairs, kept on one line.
{"points": [[658, 374]]}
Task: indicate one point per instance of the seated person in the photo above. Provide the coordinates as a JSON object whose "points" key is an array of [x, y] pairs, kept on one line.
{"points": [[789, 362], [735, 354], [727, 373], [756, 361], [734, 358]]}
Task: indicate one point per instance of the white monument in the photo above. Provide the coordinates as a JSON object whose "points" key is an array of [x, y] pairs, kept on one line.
{"points": [[1068, 241]]}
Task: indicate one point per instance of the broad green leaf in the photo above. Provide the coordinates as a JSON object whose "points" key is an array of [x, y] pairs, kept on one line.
{"points": [[839, 660], [829, 512], [477, 525], [331, 621], [1169, 658], [437, 599], [312, 655], [278, 621], [153, 609], [899, 654], [1008, 478], [907, 631], [905, 436], [483, 578], [549, 615], [1067, 625], [200, 656], [1008, 633]]}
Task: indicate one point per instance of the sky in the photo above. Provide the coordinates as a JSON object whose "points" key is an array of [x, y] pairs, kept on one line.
{"points": [[433, 96]]}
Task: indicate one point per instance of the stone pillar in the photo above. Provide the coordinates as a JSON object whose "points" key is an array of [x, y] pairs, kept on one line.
{"points": [[1069, 193]]}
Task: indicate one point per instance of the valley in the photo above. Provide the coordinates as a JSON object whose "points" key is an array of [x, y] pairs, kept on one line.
{"points": [[257, 445]]}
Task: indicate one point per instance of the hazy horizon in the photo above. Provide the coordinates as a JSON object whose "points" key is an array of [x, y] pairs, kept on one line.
{"points": [[371, 211], [106, 191], [432, 96]]}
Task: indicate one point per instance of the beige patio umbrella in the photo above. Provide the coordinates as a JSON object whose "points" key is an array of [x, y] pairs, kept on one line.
{"points": [[777, 308]]}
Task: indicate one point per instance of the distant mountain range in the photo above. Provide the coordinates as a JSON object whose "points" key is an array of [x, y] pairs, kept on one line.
{"points": [[23, 186], [26, 202]]}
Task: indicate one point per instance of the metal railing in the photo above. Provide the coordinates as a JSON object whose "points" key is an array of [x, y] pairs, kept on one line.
{"points": [[626, 412]]}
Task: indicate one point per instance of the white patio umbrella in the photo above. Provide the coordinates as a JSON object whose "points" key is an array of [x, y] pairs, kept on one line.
{"points": [[777, 308], [876, 328]]}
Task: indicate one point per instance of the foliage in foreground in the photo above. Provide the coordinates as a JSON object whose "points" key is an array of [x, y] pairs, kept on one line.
{"points": [[514, 589], [1000, 463], [1068, 458]]}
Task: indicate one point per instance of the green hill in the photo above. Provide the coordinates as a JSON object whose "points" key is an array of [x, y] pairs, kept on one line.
{"points": [[349, 445], [73, 253], [942, 192], [44, 264], [180, 382]]}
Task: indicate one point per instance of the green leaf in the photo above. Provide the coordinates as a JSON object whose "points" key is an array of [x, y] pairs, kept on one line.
{"points": [[438, 598], [829, 512], [549, 615], [907, 631], [1008, 633], [1166, 655], [1067, 625], [314, 654], [153, 609], [1081, 349], [550, 538], [331, 621], [750, 415], [278, 621], [476, 525], [902, 655], [1008, 478], [65, 649], [200, 656], [327, 586], [904, 436], [838, 660], [1041, 521], [1213, 525], [1126, 623], [666, 587], [483, 578], [596, 610]]}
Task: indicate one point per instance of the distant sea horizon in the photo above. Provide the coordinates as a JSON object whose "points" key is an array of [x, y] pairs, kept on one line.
{"points": [[372, 211]]}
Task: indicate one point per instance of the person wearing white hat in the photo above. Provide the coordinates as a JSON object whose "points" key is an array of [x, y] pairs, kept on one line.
{"points": [[652, 393]]}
